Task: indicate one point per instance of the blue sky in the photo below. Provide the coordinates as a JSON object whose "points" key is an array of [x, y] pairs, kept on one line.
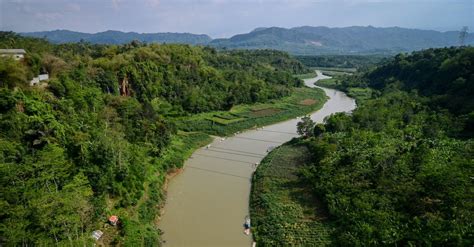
{"points": [[224, 18]]}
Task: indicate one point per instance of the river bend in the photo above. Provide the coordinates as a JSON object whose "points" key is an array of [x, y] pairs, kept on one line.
{"points": [[207, 203]]}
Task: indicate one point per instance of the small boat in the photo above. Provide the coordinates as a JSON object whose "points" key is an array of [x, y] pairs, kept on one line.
{"points": [[247, 225]]}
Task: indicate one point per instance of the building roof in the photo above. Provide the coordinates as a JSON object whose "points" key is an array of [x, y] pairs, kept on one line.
{"points": [[113, 218], [12, 51]]}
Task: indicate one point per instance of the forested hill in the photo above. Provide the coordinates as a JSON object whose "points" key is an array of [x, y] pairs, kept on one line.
{"points": [[399, 170], [95, 139], [299, 40], [346, 40], [117, 37], [445, 77]]}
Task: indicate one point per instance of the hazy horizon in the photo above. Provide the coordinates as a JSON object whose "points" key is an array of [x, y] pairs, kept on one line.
{"points": [[470, 31], [225, 18]]}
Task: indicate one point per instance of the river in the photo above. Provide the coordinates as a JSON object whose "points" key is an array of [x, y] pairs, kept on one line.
{"points": [[206, 204]]}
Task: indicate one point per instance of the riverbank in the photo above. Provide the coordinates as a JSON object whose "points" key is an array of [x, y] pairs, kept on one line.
{"points": [[138, 225], [283, 209], [207, 203], [335, 82], [140, 220], [241, 117]]}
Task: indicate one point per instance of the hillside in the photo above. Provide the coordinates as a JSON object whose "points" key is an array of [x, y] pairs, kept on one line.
{"points": [[397, 171], [117, 37], [347, 40], [99, 137]]}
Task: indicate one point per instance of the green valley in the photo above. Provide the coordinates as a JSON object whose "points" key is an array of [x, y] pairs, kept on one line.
{"points": [[236, 123]]}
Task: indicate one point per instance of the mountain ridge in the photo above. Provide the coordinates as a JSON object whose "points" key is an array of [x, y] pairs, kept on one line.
{"points": [[303, 40], [308, 40], [119, 37]]}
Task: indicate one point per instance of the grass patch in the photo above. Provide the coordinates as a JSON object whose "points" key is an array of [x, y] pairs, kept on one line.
{"points": [[284, 212], [223, 121], [226, 115], [258, 107], [329, 83], [249, 116], [225, 118], [360, 94], [265, 112]]}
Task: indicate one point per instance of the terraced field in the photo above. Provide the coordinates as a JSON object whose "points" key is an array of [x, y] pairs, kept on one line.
{"points": [[265, 112], [223, 123]]}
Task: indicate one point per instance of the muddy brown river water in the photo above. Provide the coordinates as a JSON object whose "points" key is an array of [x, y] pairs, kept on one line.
{"points": [[207, 203]]}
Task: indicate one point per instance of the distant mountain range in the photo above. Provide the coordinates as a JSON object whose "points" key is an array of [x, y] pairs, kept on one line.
{"points": [[117, 37], [347, 40], [299, 40]]}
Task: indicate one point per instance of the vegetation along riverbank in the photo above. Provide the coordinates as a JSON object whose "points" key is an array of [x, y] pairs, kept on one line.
{"points": [[283, 208], [98, 137], [396, 171], [302, 101]]}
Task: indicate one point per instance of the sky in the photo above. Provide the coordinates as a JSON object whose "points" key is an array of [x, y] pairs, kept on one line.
{"points": [[224, 18]]}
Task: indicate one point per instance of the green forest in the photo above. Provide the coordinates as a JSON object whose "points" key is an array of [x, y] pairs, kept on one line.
{"points": [[397, 171], [99, 137]]}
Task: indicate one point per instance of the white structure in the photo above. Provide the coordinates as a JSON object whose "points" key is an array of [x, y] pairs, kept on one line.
{"points": [[43, 77], [38, 79], [17, 54], [97, 234], [35, 81]]}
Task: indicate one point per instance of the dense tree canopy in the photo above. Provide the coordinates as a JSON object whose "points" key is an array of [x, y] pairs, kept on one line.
{"points": [[399, 169], [443, 76], [84, 142]]}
